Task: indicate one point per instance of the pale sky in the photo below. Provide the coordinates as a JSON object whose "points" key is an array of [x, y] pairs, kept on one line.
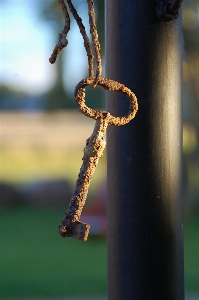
{"points": [[26, 45]]}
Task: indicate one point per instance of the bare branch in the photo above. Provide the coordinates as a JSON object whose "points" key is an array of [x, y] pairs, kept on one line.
{"points": [[62, 42], [85, 37]]}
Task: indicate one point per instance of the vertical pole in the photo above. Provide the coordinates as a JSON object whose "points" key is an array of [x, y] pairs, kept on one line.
{"points": [[144, 214]]}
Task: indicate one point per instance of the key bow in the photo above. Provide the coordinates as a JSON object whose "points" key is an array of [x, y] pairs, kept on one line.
{"points": [[111, 85]]}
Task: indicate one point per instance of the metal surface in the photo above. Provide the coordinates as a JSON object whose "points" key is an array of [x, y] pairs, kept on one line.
{"points": [[168, 10], [145, 227]]}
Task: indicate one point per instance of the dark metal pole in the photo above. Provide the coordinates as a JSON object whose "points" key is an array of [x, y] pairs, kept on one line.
{"points": [[145, 234]]}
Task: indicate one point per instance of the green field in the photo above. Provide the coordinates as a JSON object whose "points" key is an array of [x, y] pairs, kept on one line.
{"points": [[36, 261], [191, 255]]}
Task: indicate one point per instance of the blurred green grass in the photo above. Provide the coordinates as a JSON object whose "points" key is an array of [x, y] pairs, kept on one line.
{"points": [[191, 255], [35, 261]]}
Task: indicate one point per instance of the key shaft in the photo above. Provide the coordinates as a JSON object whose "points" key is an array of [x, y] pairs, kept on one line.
{"points": [[71, 226]]}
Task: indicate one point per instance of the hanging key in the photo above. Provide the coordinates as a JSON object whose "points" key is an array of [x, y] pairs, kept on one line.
{"points": [[71, 226]]}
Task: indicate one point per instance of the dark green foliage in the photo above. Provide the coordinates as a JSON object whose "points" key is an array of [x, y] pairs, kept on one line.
{"points": [[11, 98]]}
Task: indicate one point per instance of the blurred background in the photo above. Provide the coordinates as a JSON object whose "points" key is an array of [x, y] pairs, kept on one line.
{"points": [[42, 136]]}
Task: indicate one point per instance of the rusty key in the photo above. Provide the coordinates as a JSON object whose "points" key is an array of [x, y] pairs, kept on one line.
{"points": [[71, 226]]}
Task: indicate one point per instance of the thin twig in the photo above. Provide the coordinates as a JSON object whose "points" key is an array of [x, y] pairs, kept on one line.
{"points": [[62, 42], [85, 37], [94, 34]]}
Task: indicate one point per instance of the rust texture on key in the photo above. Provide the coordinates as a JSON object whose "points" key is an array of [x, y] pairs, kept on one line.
{"points": [[71, 226], [110, 85]]}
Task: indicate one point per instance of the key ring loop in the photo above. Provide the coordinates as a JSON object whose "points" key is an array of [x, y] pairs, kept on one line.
{"points": [[110, 85]]}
